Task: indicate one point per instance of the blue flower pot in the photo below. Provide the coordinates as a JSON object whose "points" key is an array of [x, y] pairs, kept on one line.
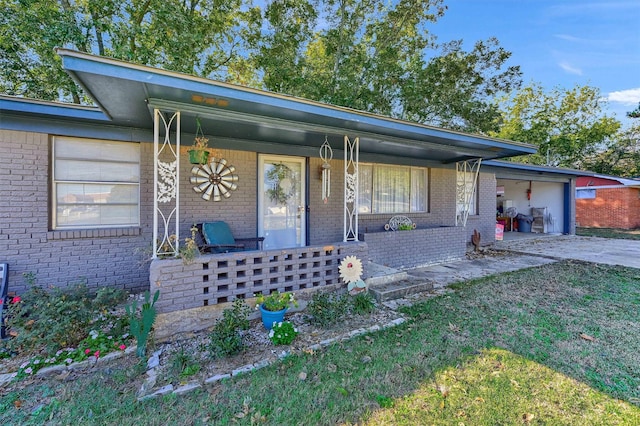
{"points": [[269, 317]]}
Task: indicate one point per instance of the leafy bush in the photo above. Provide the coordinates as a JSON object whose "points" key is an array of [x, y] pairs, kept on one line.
{"points": [[282, 333], [56, 319], [225, 338]]}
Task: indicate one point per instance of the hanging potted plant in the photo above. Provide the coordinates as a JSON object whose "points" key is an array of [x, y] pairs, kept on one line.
{"points": [[199, 154], [274, 306]]}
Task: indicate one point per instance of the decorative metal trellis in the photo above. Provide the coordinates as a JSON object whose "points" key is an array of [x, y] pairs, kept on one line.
{"points": [[466, 185], [166, 191], [351, 156]]}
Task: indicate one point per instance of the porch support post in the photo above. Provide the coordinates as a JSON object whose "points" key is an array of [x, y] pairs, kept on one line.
{"points": [[351, 155], [466, 186], [166, 191]]}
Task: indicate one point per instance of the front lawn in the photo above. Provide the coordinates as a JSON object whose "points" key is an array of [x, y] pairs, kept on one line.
{"points": [[557, 344]]}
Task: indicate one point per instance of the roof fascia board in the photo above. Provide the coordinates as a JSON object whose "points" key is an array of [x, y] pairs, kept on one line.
{"points": [[532, 168], [609, 186], [78, 129], [32, 106], [75, 62], [278, 122]]}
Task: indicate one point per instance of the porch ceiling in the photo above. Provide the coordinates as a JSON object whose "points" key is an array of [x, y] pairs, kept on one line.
{"points": [[128, 93]]}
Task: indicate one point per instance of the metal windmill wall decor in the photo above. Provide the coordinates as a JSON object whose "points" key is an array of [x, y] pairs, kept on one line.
{"points": [[214, 180]]}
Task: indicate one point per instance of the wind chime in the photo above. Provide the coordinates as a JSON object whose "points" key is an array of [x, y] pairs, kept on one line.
{"points": [[326, 154]]}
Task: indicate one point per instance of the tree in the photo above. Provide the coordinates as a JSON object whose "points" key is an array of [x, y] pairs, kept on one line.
{"points": [[566, 125], [635, 113], [204, 38], [380, 57], [621, 157], [372, 55]]}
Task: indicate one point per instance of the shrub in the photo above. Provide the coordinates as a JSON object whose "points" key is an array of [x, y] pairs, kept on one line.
{"points": [[225, 338], [42, 320], [282, 333]]}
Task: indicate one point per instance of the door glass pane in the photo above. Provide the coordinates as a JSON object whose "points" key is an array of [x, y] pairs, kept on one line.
{"points": [[282, 199]]}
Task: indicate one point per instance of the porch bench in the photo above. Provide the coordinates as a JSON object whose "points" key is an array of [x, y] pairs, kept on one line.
{"points": [[216, 237]]}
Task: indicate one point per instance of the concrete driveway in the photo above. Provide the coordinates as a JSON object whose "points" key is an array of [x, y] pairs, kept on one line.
{"points": [[591, 249]]}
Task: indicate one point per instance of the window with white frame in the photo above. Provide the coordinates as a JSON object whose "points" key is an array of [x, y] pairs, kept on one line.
{"points": [[392, 189], [586, 193], [96, 183]]}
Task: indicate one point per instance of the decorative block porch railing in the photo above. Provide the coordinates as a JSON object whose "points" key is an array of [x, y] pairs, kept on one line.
{"points": [[220, 278]]}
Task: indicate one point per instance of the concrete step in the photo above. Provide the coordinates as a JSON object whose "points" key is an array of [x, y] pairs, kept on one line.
{"points": [[400, 288], [376, 274]]}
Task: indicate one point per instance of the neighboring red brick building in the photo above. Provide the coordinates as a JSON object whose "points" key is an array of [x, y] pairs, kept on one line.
{"points": [[607, 202]]}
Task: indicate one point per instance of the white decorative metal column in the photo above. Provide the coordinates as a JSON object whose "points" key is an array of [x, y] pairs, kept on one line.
{"points": [[351, 155], [166, 191], [466, 185]]}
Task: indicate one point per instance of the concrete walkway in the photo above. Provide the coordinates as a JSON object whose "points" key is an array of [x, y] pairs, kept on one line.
{"points": [[591, 249], [526, 251]]}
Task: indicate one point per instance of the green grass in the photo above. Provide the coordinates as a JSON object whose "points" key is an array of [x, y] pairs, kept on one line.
{"points": [[624, 234], [505, 349]]}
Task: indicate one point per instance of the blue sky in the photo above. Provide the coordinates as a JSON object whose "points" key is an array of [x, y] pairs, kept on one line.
{"points": [[559, 43]]}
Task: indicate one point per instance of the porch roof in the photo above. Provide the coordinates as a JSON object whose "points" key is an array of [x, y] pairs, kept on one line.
{"points": [[509, 169], [127, 94]]}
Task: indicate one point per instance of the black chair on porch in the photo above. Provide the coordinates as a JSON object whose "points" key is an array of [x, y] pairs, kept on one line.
{"points": [[216, 237]]}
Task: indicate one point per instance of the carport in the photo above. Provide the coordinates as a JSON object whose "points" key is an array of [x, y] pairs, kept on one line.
{"points": [[547, 193]]}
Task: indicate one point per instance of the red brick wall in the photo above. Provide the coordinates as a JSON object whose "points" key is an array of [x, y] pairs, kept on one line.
{"points": [[612, 208]]}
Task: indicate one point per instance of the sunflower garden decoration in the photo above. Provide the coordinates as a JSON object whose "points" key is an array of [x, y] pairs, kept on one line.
{"points": [[351, 272]]}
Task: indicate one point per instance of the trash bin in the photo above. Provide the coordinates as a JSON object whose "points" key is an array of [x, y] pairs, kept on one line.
{"points": [[524, 222]]}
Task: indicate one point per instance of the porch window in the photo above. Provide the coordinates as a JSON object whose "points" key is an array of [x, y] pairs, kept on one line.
{"points": [[392, 189], [96, 183]]}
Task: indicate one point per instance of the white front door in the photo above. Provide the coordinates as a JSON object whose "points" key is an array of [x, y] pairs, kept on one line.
{"points": [[281, 201]]}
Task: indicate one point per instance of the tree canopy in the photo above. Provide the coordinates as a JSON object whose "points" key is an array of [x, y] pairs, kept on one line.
{"points": [[372, 55], [566, 125]]}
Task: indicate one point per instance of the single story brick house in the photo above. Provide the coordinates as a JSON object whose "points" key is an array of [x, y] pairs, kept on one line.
{"points": [[104, 194], [607, 202]]}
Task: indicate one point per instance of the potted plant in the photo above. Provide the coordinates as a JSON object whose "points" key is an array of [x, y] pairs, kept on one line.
{"points": [[199, 154], [274, 306]]}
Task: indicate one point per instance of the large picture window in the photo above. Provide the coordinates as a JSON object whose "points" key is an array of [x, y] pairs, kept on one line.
{"points": [[392, 189], [96, 183]]}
